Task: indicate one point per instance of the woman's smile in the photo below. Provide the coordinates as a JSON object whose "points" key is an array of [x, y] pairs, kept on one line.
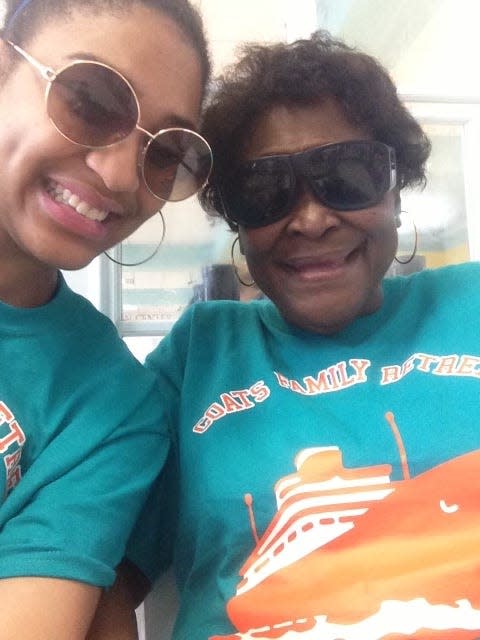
{"points": [[65, 196], [80, 208], [324, 267]]}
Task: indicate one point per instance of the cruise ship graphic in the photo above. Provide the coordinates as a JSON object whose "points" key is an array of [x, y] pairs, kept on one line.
{"points": [[352, 555]]}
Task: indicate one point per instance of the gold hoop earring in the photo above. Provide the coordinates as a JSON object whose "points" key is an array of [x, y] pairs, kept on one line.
{"points": [[235, 269], [415, 244], [154, 252]]}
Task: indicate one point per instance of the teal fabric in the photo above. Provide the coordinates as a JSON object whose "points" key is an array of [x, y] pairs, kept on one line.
{"points": [[247, 394], [81, 441]]}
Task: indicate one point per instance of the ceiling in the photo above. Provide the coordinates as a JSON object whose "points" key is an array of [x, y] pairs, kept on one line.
{"points": [[426, 44]]}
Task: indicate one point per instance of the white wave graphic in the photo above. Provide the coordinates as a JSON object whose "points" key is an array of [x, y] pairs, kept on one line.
{"points": [[393, 617]]}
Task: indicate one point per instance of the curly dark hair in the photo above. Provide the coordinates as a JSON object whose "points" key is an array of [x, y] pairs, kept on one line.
{"points": [[302, 72], [22, 19]]}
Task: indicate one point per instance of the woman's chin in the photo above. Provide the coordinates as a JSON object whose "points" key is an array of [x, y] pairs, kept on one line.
{"points": [[327, 319]]}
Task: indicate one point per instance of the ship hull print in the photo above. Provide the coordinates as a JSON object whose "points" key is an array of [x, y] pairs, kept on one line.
{"points": [[352, 555]]}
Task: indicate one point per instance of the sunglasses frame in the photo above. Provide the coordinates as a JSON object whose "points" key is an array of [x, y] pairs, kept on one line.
{"points": [[298, 169], [50, 75]]}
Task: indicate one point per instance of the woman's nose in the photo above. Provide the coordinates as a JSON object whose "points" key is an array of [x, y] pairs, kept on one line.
{"points": [[310, 216], [118, 165]]}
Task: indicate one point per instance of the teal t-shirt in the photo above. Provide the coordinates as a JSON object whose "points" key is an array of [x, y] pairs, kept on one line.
{"points": [[81, 441], [328, 486]]}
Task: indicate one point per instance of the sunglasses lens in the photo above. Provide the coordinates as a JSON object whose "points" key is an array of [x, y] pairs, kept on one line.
{"points": [[347, 176], [350, 176], [176, 164], [260, 193], [92, 105]]}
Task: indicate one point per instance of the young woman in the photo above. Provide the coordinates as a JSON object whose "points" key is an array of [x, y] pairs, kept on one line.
{"points": [[326, 439], [99, 102]]}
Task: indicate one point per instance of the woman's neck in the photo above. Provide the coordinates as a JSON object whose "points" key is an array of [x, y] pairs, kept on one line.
{"points": [[27, 285]]}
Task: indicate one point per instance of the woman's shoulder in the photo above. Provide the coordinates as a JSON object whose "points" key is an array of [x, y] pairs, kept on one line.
{"points": [[443, 278], [216, 321], [452, 272], [221, 311], [89, 337], [66, 315]]}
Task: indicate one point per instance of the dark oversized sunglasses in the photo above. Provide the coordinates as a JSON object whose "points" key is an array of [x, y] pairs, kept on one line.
{"points": [[346, 176], [93, 105]]}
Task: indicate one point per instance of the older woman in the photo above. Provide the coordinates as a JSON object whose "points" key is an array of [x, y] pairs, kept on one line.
{"points": [[326, 437]]}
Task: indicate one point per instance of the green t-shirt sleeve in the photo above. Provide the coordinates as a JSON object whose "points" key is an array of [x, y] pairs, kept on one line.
{"points": [[71, 515]]}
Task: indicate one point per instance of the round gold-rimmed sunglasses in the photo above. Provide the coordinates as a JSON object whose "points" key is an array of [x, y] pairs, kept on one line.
{"points": [[95, 106]]}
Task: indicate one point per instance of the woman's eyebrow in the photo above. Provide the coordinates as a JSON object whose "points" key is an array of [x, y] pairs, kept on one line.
{"points": [[173, 120], [84, 55]]}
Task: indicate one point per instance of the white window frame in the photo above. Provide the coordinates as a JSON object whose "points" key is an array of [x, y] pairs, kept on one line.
{"points": [[464, 112]]}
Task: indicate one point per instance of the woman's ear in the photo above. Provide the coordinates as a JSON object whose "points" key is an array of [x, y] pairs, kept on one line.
{"points": [[397, 209], [240, 244]]}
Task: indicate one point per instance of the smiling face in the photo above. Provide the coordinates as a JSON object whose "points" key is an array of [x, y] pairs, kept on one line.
{"points": [[40, 170], [321, 267]]}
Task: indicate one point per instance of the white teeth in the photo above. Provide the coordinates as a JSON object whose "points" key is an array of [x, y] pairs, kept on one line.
{"points": [[81, 207], [67, 197]]}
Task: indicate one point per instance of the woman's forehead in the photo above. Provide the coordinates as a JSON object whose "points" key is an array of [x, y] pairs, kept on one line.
{"points": [[289, 128], [148, 48]]}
